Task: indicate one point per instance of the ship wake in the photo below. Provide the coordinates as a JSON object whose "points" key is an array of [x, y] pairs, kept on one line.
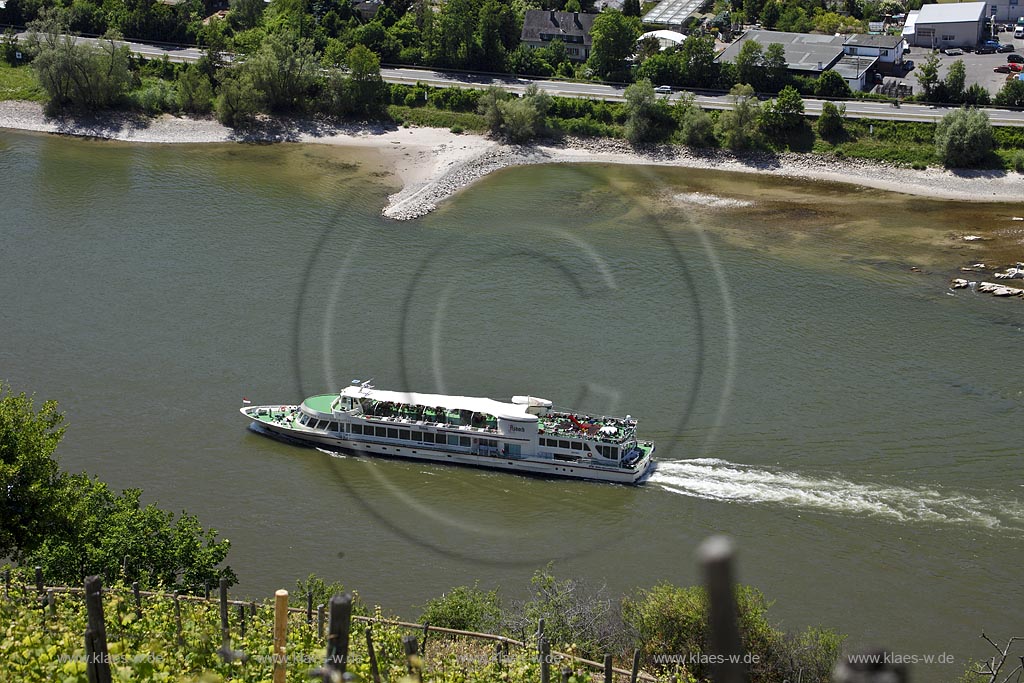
{"points": [[714, 479]]}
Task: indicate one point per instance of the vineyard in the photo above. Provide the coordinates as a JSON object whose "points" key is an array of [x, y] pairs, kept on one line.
{"points": [[153, 636]]}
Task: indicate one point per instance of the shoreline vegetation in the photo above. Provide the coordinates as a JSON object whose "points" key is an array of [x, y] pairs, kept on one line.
{"points": [[433, 163]]}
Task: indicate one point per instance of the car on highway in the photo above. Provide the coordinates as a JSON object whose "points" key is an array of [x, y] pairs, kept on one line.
{"points": [[952, 51], [1015, 58], [665, 89]]}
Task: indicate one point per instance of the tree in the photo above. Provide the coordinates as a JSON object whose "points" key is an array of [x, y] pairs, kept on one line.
{"points": [[365, 85], [72, 525], [237, 98], [831, 84], [488, 107], [1011, 94], [748, 63], [830, 123], [977, 96], [490, 35], [963, 137], [737, 126], [700, 69], [631, 8], [693, 123], [784, 113], [284, 71], [245, 14], [195, 93], [640, 106], [954, 82], [928, 75], [613, 39], [29, 477], [523, 118], [775, 67]]}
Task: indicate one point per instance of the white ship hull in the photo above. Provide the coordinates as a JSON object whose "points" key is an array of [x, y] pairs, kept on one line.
{"points": [[545, 467]]}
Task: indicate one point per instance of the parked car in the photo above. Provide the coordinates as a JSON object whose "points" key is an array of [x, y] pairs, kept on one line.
{"points": [[1007, 47], [1016, 67], [1002, 69], [908, 64], [952, 51], [1018, 32], [985, 49], [1016, 58]]}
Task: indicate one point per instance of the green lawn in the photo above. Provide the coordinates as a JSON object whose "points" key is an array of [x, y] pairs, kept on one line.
{"points": [[19, 83]]}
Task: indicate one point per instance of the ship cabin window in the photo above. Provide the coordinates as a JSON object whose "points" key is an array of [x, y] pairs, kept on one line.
{"points": [[332, 426], [357, 429], [403, 434], [512, 449], [464, 441], [428, 437], [577, 446], [489, 443], [381, 431], [322, 424], [453, 440], [416, 436], [392, 433], [563, 444]]}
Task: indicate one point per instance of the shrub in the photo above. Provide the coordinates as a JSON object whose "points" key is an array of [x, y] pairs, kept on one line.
{"points": [[963, 138], [456, 129], [830, 123], [155, 96], [1017, 161], [466, 609]]}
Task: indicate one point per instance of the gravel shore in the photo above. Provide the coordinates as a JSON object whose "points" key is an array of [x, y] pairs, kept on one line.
{"points": [[433, 164]]}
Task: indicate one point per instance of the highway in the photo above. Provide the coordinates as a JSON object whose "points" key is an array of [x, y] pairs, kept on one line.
{"points": [[872, 109]]}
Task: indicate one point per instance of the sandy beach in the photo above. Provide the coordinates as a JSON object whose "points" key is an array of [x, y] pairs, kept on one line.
{"points": [[433, 164]]}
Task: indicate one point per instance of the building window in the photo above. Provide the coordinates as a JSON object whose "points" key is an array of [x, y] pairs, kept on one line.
{"points": [[945, 37], [884, 53]]}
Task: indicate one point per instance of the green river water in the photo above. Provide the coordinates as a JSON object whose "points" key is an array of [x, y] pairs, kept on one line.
{"points": [[855, 426]]}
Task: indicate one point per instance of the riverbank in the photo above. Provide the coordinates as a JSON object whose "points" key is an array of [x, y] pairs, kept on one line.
{"points": [[432, 164]]}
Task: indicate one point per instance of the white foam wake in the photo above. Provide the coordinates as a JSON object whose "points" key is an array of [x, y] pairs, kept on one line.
{"points": [[715, 479]]}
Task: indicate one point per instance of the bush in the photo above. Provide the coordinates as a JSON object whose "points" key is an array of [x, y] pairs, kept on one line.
{"points": [[155, 96], [1017, 161], [830, 123], [963, 138], [466, 609]]}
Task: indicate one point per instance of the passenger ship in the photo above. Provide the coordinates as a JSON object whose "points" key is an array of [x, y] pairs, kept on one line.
{"points": [[525, 436]]}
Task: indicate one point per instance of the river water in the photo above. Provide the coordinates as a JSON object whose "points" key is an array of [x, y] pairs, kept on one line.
{"points": [[855, 426]]}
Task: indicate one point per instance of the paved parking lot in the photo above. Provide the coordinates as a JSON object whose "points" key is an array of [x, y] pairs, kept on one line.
{"points": [[979, 67]]}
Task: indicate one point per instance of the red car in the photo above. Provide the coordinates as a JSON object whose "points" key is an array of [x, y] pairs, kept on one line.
{"points": [[1015, 67]]}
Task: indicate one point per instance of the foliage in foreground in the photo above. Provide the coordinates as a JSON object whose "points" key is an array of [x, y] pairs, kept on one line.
{"points": [[74, 525]]}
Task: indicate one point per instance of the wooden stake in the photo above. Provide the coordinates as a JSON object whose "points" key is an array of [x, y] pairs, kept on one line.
{"points": [[636, 666], [545, 660], [7, 583], [241, 620], [177, 617], [225, 631], [309, 607], [280, 632], [607, 669], [374, 671], [715, 556], [320, 621], [138, 601], [412, 658], [97, 666], [39, 580], [337, 633]]}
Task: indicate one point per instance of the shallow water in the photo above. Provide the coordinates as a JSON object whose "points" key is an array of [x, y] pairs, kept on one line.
{"points": [[854, 425]]}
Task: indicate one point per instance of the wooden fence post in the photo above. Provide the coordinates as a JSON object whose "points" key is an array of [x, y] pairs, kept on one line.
{"points": [[225, 631], [241, 620], [337, 633], [636, 666], [280, 633], [545, 661], [206, 590], [412, 658], [540, 634], [309, 608], [320, 620], [138, 600], [566, 672], [716, 555], [374, 671], [608, 669], [7, 583], [39, 580], [97, 666], [51, 600], [423, 645], [177, 617]]}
